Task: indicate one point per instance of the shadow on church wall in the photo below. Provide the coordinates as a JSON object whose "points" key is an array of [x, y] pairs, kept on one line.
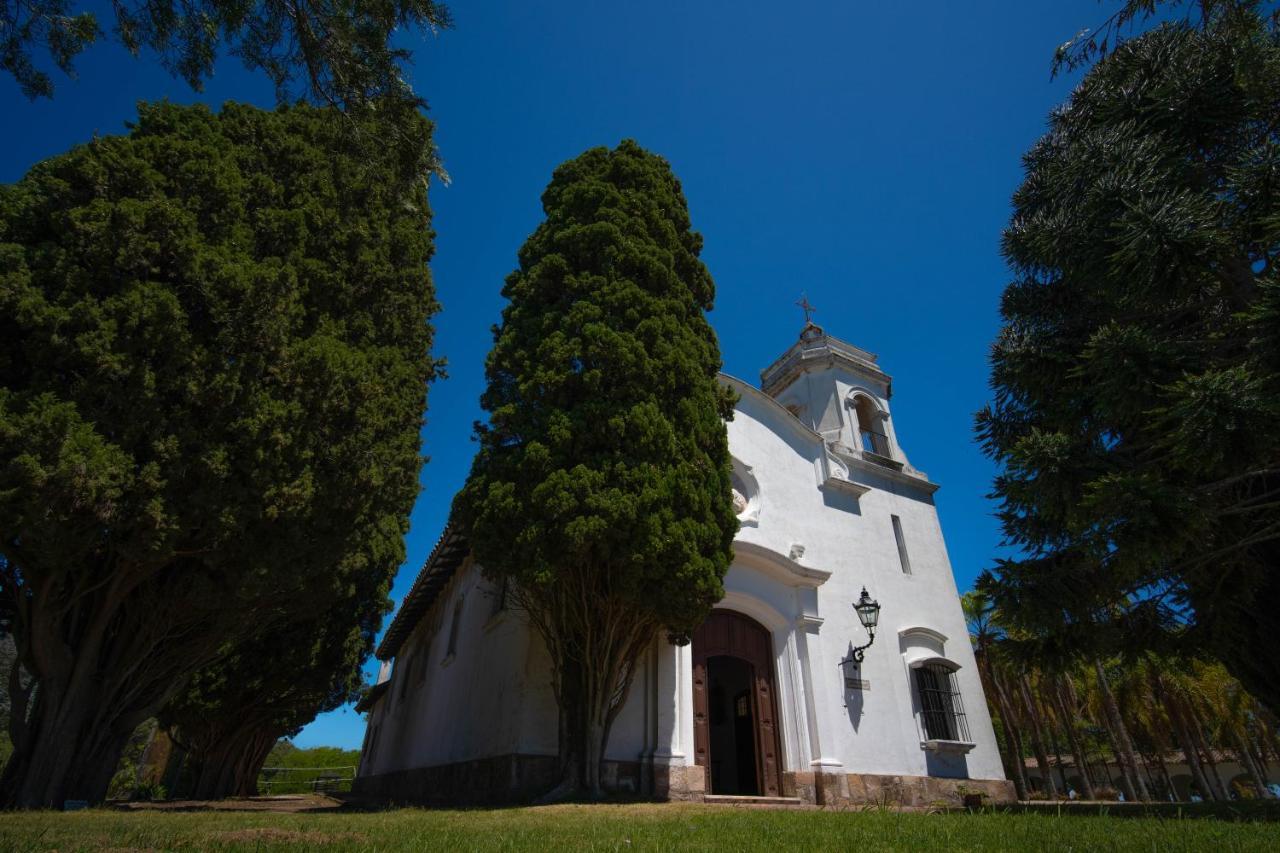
{"points": [[854, 693], [947, 765]]}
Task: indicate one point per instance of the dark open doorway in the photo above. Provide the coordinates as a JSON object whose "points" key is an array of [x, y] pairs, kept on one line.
{"points": [[731, 721], [734, 735]]}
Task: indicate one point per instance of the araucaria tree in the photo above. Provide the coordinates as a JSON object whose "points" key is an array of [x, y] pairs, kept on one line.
{"points": [[214, 354], [1137, 377], [602, 485]]}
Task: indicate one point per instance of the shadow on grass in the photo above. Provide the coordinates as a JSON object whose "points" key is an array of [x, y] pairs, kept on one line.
{"points": [[345, 803], [1266, 811]]}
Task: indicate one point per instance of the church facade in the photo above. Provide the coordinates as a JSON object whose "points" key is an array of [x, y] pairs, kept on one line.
{"points": [[768, 699]]}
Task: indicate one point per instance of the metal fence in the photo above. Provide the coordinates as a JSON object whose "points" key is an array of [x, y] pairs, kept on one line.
{"points": [[305, 780]]}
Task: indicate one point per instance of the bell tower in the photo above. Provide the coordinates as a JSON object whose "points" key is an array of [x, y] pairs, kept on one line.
{"points": [[839, 391]]}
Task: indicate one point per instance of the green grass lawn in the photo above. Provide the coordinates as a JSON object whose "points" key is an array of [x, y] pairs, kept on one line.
{"points": [[624, 827]]}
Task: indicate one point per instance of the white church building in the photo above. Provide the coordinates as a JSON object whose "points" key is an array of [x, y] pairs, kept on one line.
{"points": [[766, 700]]}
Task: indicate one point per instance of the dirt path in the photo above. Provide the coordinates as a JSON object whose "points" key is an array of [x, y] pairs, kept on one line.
{"points": [[284, 803]]}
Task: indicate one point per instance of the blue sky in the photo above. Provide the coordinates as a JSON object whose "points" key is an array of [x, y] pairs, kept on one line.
{"points": [[863, 153]]}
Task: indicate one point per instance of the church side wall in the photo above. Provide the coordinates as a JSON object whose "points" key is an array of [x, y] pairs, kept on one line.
{"points": [[441, 708]]}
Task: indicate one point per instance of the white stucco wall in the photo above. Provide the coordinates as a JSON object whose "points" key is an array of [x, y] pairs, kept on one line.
{"points": [[470, 705]]}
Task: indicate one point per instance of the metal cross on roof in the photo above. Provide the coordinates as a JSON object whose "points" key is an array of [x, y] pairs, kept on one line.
{"points": [[808, 309]]}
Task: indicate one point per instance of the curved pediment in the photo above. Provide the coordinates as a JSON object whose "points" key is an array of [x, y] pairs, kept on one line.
{"points": [[923, 646], [778, 566], [772, 413]]}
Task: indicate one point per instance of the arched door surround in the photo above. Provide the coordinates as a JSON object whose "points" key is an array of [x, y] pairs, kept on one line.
{"points": [[735, 731]]}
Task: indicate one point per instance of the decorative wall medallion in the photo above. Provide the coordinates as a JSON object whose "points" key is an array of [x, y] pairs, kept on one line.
{"points": [[746, 494]]}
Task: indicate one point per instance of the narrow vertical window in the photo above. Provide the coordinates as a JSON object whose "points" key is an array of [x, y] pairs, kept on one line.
{"points": [[407, 666], [902, 545], [423, 664], [501, 595], [453, 629]]}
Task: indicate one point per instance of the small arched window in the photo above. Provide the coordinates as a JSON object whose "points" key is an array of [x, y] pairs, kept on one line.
{"points": [[407, 666]]}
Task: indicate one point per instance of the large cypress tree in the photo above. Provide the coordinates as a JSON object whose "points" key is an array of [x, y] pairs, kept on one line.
{"points": [[601, 487], [214, 353], [1137, 377], [233, 712]]}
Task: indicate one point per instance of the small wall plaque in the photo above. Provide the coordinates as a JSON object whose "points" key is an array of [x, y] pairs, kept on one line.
{"points": [[857, 684]]}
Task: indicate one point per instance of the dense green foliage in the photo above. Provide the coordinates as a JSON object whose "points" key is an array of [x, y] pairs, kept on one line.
{"points": [[285, 754], [1137, 376], [601, 487], [1093, 43], [289, 770], [214, 353], [338, 52], [663, 827]]}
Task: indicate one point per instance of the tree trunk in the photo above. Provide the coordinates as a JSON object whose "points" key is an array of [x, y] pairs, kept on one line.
{"points": [[69, 751], [1057, 757], [1124, 744], [592, 674], [1197, 733], [254, 759], [1073, 739], [98, 669], [1251, 765], [1037, 740], [1217, 777], [1167, 779], [227, 764], [1013, 738], [1190, 750]]}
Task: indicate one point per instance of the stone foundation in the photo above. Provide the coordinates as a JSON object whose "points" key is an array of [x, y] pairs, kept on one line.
{"points": [[508, 779], [846, 789]]}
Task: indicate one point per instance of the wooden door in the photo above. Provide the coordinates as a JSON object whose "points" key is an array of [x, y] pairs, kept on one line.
{"points": [[730, 634]]}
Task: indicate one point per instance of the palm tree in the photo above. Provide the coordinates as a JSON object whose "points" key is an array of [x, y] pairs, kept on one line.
{"points": [[983, 634], [1063, 696], [1037, 737], [1120, 734]]}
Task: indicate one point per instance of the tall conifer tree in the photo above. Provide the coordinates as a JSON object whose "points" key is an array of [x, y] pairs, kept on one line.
{"points": [[602, 484]]}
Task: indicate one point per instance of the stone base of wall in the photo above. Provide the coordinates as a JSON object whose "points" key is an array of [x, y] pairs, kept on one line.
{"points": [[509, 779], [845, 789]]}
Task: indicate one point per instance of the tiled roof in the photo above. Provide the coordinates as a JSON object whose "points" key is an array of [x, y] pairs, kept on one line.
{"points": [[371, 698], [451, 549]]}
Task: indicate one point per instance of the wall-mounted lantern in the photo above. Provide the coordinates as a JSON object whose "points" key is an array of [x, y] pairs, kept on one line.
{"points": [[868, 610]]}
